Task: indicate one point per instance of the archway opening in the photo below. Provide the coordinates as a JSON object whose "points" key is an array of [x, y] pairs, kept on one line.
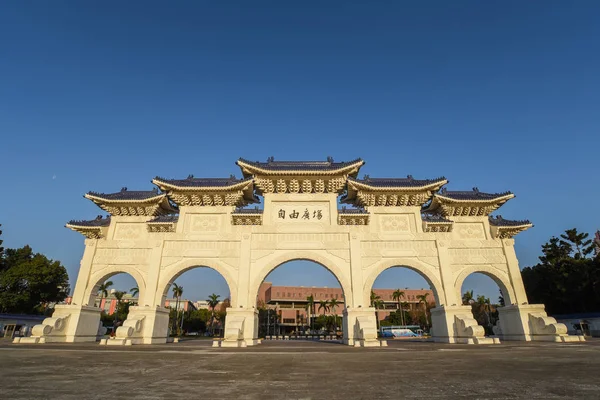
{"points": [[114, 294], [197, 298], [485, 295], [301, 299], [403, 299]]}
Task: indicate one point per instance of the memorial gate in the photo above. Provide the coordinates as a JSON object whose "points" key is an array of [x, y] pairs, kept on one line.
{"points": [[157, 235]]}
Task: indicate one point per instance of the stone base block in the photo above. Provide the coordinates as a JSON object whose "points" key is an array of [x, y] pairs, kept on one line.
{"points": [[116, 342], [370, 343], [529, 322], [29, 340], [455, 324], [69, 323], [360, 327]]}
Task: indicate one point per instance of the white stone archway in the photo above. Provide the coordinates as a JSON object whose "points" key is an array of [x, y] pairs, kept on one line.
{"points": [[443, 235]]}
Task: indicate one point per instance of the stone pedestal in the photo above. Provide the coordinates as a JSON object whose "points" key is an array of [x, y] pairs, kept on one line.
{"points": [[144, 325], [69, 323], [455, 324], [241, 328], [528, 322], [360, 328]]}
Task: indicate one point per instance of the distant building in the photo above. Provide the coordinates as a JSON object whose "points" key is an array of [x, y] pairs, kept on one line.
{"points": [[291, 301]]}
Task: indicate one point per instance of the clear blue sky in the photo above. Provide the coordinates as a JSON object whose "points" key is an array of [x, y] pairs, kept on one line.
{"points": [[103, 94]]}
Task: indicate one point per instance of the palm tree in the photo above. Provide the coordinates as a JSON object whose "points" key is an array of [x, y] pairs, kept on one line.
{"points": [[177, 293], [135, 291], [213, 301], [377, 303], [311, 307], [397, 295], [103, 290], [333, 303], [467, 297], [324, 305], [119, 296], [374, 298], [423, 299]]}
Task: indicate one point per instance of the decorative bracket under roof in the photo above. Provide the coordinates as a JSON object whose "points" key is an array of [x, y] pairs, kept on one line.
{"points": [[466, 203], [391, 192], [94, 229], [208, 191], [133, 203], [353, 216], [299, 176], [505, 228], [247, 216], [163, 223]]}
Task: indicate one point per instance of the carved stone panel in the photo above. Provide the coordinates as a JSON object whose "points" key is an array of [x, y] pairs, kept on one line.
{"points": [[201, 249], [203, 223], [121, 256], [470, 231], [399, 248], [125, 230], [300, 213], [300, 240], [395, 224], [476, 256]]}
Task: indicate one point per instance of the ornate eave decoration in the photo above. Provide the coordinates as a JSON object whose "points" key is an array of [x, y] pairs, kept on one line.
{"points": [[505, 229], [209, 191], [353, 216], [247, 216], [436, 223], [162, 224], [299, 176], [391, 192], [134, 203], [94, 229], [466, 204]]}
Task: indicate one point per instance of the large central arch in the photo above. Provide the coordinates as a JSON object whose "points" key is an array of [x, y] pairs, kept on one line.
{"points": [[339, 273]]}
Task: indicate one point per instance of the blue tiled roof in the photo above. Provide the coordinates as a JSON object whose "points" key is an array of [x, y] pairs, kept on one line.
{"points": [[125, 194], [328, 165], [499, 221], [409, 181], [165, 219], [190, 181], [254, 210], [474, 194], [345, 210], [434, 218], [98, 222]]}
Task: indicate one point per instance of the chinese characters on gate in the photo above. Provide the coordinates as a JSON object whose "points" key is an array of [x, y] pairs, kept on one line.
{"points": [[306, 215]]}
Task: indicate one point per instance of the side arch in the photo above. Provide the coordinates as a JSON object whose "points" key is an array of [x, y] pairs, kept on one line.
{"points": [[99, 277], [308, 255], [501, 279], [415, 265], [174, 271]]}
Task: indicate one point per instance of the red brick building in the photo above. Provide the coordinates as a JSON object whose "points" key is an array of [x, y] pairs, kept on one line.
{"points": [[291, 301]]}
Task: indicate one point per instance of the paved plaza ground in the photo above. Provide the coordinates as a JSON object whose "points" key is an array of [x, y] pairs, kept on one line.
{"points": [[300, 370]]}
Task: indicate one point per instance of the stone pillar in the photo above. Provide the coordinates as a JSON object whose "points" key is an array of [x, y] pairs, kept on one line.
{"points": [[448, 297], [360, 327], [528, 322], [455, 324], [69, 323], [514, 272], [85, 269]]}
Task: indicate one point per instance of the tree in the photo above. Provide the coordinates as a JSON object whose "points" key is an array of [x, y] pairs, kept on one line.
{"points": [[30, 282], [119, 296], [213, 301], [377, 303], [583, 247], [1, 248], [177, 293], [333, 303], [423, 299], [324, 305], [311, 310], [397, 295], [567, 279], [467, 297], [134, 291], [103, 290]]}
